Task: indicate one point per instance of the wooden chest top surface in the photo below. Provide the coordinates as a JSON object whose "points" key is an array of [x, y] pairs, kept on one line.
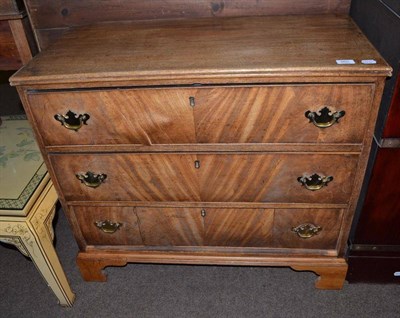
{"points": [[217, 48]]}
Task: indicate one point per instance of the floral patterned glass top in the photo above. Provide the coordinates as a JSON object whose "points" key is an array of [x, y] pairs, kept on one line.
{"points": [[21, 165]]}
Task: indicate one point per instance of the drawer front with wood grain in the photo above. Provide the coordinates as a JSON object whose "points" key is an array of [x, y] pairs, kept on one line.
{"points": [[148, 226], [280, 177], [125, 116], [295, 178], [309, 228], [260, 114], [283, 114], [140, 226], [127, 177], [210, 227]]}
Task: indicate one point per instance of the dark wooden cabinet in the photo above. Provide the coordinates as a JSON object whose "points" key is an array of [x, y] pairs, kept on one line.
{"points": [[17, 43], [374, 254]]}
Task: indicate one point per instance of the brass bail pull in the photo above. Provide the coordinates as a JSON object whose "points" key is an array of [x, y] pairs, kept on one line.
{"points": [[71, 120], [306, 230], [91, 179], [314, 182], [324, 117], [108, 226]]}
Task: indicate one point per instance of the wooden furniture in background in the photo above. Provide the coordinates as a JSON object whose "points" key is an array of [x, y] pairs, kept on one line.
{"points": [[199, 142], [374, 255], [17, 44], [51, 19], [27, 204]]}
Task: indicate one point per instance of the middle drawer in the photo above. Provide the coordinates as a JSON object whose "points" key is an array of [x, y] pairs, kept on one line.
{"points": [[247, 177]]}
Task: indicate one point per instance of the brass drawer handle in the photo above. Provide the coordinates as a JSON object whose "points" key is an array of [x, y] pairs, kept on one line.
{"points": [[108, 226], [324, 118], [314, 182], [91, 179], [71, 120], [306, 230]]}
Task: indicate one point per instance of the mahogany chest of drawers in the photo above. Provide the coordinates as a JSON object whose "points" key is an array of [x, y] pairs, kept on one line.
{"points": [[211, 141]]}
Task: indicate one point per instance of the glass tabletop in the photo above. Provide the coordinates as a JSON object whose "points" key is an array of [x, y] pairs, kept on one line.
{"points": [[21, 165]]}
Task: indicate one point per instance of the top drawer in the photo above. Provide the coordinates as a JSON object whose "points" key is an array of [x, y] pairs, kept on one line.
{"points": [[258, 114]]}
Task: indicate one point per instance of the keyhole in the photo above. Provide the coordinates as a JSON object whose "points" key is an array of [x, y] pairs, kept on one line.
{"points": [[192, 102], [197, 164], [203, 213]]}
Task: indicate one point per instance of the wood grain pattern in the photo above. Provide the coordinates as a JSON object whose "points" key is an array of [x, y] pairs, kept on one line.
{"points": [[265, 114], [332, 270], [56, 13], [275, 114], [17, 45], [216, 160], [130, 177], [176, 227], [9, 56], [10, 7], [127, 234], [173, 177], [21, 32], [171, 226], [273, 177], [46, 37], [330, 277], [52, 18], [119, 116], [92, 269], [329, 220], [336, 148], [234, 47], [142, 226], [238, 227]]}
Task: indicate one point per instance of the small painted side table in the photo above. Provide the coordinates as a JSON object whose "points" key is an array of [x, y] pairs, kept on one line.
{"points": [[27, 203]]}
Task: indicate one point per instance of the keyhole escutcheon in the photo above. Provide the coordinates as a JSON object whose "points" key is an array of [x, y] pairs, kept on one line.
{"points": [[192, 102]]}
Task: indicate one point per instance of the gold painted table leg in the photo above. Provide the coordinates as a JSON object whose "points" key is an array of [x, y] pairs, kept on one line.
{"points": [[33, 236]]}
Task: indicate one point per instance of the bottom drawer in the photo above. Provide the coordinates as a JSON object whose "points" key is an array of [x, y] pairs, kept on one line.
{"points": [[215, 227]]}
